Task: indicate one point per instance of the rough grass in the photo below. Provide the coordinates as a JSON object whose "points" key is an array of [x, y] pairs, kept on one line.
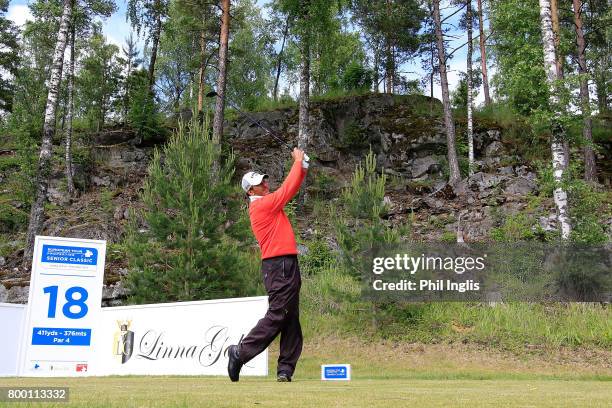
{"points": [[331, 305]]}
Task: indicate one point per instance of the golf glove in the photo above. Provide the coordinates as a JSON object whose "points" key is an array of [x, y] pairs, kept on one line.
{"points": [[305, 163]]}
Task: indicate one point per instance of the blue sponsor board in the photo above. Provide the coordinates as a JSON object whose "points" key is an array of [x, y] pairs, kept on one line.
{"points": [[336, 372], [60, 254], [50, 336]]}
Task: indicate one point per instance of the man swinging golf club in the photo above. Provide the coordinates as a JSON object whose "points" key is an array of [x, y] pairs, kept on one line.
{"points": [[279, 267]]}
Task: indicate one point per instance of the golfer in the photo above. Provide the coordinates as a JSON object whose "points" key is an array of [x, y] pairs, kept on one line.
{"points": [[279, 267]]}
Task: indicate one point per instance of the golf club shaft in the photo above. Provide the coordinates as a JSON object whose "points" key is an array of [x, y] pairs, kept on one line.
{"points": [[256, 122]]}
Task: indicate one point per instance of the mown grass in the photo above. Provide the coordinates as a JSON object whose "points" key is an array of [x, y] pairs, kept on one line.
{"points": [[217, 392]]}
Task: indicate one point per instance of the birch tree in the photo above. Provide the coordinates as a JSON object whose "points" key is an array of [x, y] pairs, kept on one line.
{"points": [[453, 163], [590, 170], [37, 212], [222, 76], [470, 124], [70, 112], [558, 153]]}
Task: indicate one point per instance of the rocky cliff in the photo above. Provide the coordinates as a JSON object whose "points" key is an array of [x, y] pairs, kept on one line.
{"points": [[405, 132]]}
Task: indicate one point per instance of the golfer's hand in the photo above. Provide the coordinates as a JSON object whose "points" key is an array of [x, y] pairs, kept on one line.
{"points": [[297, 154]]}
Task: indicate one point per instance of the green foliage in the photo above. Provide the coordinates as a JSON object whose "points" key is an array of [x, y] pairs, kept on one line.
{"points": [[448, 236], [460, 94], [519, 77], [177, 60], [357, 77], [353, 136], [363, 226], [319, 257], [8, 57], [587, 205], [392, 30], [11, 218], [364, 196], [196, 244], [251, 50], [143, 115], [97, 83], [515, 228]]}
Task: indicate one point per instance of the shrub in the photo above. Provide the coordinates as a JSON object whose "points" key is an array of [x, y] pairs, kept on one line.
{"points": [[196, 245]]}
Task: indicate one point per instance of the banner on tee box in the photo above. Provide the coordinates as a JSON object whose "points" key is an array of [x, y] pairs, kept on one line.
{"points": [[63, 307], [184, 338]]}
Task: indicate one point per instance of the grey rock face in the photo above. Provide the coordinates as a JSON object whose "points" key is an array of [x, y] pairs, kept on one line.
{"points": [[424, 165], [18, 294], [520, 186], [494, 149], [3, 294]]}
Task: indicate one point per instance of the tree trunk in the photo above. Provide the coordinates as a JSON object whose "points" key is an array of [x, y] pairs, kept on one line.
{"points": [[470, 125], [376, 68], [601, 90], [154, 45], [279, 62], [554, 12], [483, 56], [390, 61], [126, 97], [221, 79], [590, 170], [453, 164], [202, 71], [37, 213], [558, 153], [304, 114], [69, 114]]}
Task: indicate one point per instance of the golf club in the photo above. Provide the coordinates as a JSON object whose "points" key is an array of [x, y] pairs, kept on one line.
{"points": [[256, 122]]}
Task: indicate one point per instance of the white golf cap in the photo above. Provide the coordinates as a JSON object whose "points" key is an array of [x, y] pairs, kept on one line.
{"points": [[252, 178]]}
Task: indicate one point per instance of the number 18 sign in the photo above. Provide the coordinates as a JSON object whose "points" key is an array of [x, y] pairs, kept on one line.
{"points": [[64, 302]]}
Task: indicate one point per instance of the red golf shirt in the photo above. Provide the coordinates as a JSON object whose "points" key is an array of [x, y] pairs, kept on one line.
{"points": [[269, 222]]}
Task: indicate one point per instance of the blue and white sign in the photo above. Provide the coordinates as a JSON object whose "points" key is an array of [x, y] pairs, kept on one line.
{"points": [[63, 308], [336, 372], [61, 254]]}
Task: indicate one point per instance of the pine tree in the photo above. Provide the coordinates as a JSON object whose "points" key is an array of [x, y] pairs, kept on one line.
{"points": [[363, 227], [195, 244], [453, 162], [222, 77]]}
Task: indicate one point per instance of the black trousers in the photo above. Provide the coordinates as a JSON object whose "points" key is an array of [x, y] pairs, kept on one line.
{"points": [[282, 280]]}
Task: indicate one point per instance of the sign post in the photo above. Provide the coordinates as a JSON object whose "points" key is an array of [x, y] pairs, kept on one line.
{"points": [[63, 307]]}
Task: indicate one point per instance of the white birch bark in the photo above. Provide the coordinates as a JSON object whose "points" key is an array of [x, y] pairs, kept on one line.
{"points": [[37, 212], [69, 116], [470, 124], [558, 152]]}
